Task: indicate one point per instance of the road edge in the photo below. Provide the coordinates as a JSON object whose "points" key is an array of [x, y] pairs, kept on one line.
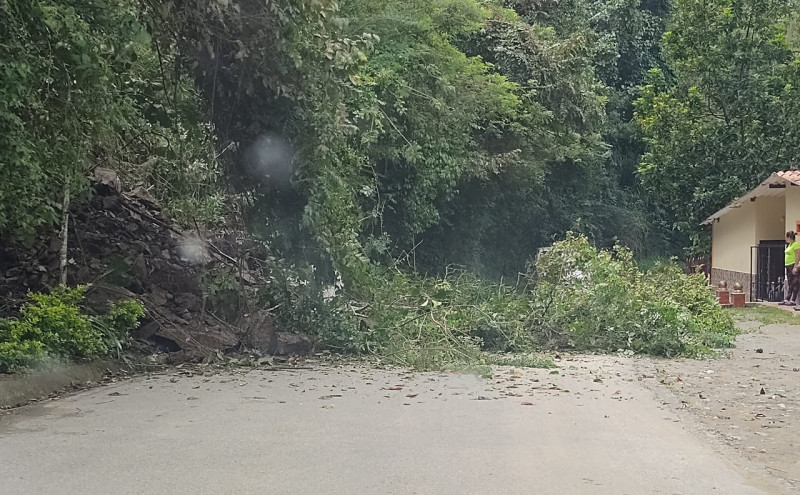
{"points": [[20, 389]]}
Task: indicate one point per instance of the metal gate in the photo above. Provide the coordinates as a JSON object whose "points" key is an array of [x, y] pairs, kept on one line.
{"points": [[767, 271]]}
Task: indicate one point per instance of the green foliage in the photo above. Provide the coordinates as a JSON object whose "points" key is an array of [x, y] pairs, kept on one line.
{"points": [[432, 323], [281, 69], [224, 292], [61, 63], [727, 114], [56, 321], [420, 322], [439, 131], [441, 113], [16, 355], [82, 86], [575, 162], [304, 303], [53, 325], [442, 108], [600, 300], [114, 327]]}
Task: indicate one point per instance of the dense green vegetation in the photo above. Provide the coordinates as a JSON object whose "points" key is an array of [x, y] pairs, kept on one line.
{"points": [[54, 326], [603, 301], [723, 114], [370, 146]]}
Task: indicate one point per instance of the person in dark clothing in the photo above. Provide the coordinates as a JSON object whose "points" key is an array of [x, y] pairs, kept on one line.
{"points": [[791, 262]]}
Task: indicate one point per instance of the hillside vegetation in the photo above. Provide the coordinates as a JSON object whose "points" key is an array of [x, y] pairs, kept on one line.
{"points": [[393, 164]]}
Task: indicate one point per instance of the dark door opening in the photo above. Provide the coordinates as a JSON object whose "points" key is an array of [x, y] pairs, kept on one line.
{"points": [[767, 271]]}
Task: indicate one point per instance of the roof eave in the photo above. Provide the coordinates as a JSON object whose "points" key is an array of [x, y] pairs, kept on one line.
{"points": [[737, 203]]}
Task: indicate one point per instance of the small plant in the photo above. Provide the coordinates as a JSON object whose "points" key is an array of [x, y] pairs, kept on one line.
{"points": [[53, 325], [57, 322], [115, 326], [429, 323], [226, 296], [14, 354], [767, 315]]}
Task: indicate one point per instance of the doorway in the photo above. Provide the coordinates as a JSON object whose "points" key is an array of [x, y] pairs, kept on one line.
{"points": [[768, 273]]}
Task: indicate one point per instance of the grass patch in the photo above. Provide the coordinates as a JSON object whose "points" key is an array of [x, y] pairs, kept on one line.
{"points": [[766, 315]]}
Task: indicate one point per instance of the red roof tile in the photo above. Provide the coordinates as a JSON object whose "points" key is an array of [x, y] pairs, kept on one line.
{"points": [[791, 176]]}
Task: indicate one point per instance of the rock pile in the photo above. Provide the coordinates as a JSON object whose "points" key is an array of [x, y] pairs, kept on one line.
{"points": [[123, 244]]}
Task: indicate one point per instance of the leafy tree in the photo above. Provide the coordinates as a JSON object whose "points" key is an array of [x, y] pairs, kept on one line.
{"points": [[726, 115], [444, 116], [61, 63], [499, 220], [276, 79]]}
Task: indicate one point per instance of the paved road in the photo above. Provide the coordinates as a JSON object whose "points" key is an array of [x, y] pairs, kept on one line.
{"points": [[354, 430]]}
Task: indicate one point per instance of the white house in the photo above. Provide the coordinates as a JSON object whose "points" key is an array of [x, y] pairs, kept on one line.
{"points": [[747, 235]]}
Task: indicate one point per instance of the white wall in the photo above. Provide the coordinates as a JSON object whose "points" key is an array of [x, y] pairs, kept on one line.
{"points": [[771, 218], [792, 207], [732, 236]]}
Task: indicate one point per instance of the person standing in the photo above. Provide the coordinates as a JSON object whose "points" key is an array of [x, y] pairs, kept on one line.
{"points": [[791, 262]]}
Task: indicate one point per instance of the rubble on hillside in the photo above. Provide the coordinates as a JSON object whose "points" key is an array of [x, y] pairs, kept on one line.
{"points": [[125, 246]]}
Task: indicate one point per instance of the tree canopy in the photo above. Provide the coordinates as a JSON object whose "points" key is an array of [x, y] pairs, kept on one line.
{"points": [[350, 134], [723, 113]]}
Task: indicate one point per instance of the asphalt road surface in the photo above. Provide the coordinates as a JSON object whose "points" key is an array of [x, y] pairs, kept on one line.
{"points": [[590, 429]]}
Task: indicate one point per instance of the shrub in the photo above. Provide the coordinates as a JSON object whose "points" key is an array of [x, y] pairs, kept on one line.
{"points": [[54, 325], [115, 326], [57, 322], [15, 355], [600, 300]]}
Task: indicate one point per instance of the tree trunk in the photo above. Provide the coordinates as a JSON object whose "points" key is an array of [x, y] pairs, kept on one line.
{"points": [[64, 232]]}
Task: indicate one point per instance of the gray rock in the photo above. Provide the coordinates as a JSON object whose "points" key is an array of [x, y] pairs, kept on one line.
{"points": [[290, 344], [110, 202], [189, 302], [158, 296], [146, 331], [257, 330], [108, 178], [199, 338]]}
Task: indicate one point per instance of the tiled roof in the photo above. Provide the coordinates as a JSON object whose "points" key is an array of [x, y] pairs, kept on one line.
{"points": [[766, 188], [791, 175]]}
